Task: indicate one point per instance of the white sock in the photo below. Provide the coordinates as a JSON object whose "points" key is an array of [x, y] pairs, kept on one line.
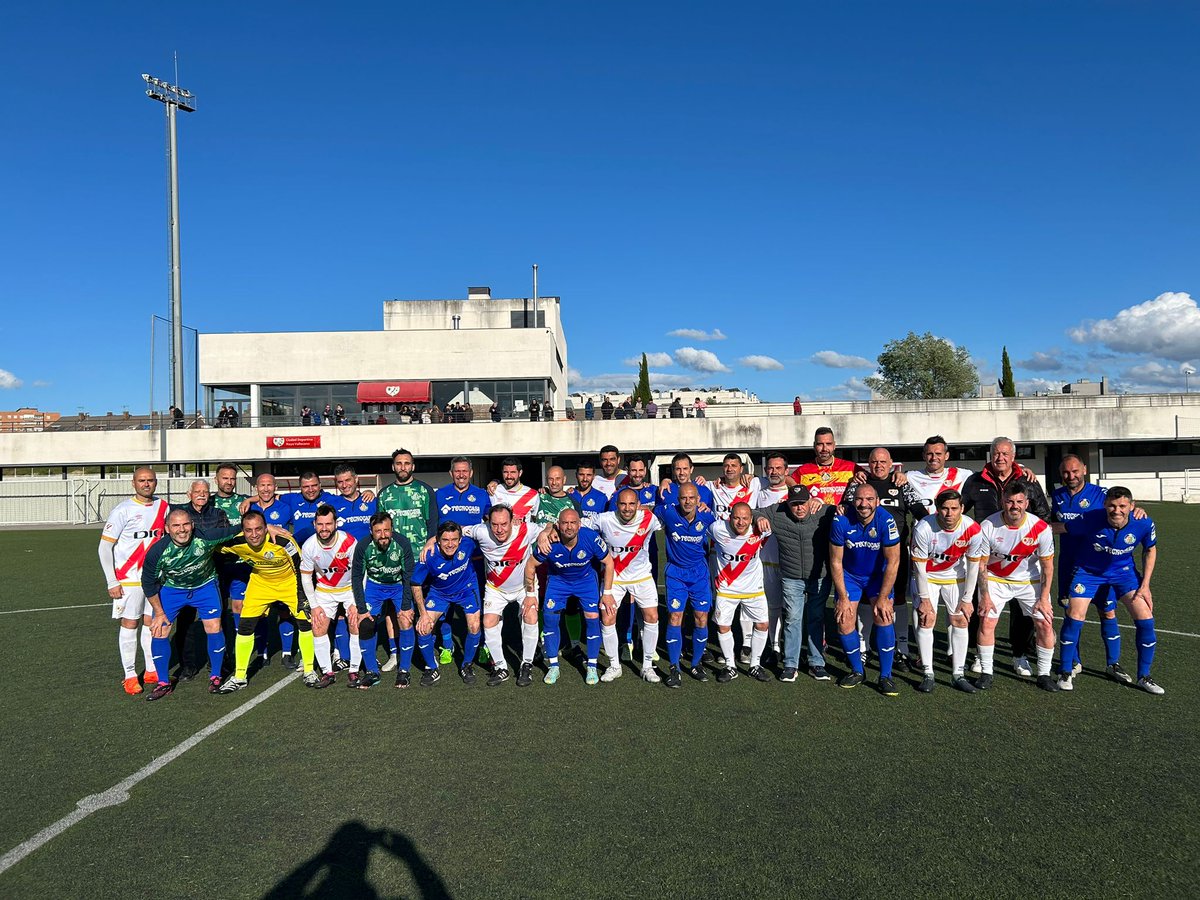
{"points": [[494, 641], [902, 630], [355, 653], [127, 644], [958, 649], [608, 637], [758, 642], [866, 621], [726, 640], [529, 639], [324, 659], [1045, 659], [147, 647], [774, 632], [925, 647], [649, 643], [987, 653]]}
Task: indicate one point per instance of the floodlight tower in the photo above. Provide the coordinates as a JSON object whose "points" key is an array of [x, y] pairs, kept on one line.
{"points": [[173, 97]]}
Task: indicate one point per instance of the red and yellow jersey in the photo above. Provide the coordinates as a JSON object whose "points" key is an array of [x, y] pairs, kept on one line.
{"points": [[827, 482]]}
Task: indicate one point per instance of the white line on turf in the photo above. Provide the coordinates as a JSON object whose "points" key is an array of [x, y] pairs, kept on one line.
{"points": [[13, 612], [1127, 627], [119, 792]]}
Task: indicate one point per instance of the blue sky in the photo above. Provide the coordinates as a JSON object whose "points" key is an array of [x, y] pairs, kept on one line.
{"points": [[806, 180]]}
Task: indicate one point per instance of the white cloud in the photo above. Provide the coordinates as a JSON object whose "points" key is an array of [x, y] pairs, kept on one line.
{"points": [[1042, 362], [8, 380], [1167, 326], [1039, 386], [762, 363], [624, 381], [835, 360], [695, 334], [40, 383], [652, 359], [699, 360]]}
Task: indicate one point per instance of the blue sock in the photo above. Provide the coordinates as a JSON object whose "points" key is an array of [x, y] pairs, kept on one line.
{"points": [[447, 632], [885, 642], [850, 646], [699, 642], [341, 638], [593, 639], [470, 645], [425, 642], [287, 637], [1069, 638], [1146, 639], [408, 640], [392, 645], [367, 646], [237, 620], [674, 644], [1111, 633], [160, 649], [550, 637], [216, 652], [628, 612]]}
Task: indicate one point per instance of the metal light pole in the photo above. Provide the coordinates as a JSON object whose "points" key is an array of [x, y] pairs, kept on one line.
{"points": [[173, 97], [1188, 372]]}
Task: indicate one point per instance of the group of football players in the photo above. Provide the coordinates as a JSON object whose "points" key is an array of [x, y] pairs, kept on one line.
{"points": [[347, 571]]}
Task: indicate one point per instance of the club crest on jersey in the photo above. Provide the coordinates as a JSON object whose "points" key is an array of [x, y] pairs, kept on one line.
{"points": [[460, 555], [675, 604], [1084, 504], [826, 477], [362, 507], [270, 554], [872, 533], [582, 554], [1029, 540], [549, 603], [1130, 539], [699, 526], [274, 515], [591, 501], [961, 543], [641, 531]]}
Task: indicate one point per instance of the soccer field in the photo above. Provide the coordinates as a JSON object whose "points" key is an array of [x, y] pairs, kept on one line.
{"points": [[746, 789]]}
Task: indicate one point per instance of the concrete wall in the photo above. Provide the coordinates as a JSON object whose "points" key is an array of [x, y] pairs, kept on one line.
{"points": [[747, 432]]}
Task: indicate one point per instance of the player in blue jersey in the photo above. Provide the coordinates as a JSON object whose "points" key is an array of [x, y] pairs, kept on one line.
{"points": [[461, 501], [571, 553], [354, 509], [304, 506], [681, 474], [864, 558], [1105, 559], [686, 529], [636, 479], [590, 500], [1076, 497], [445, 577]]}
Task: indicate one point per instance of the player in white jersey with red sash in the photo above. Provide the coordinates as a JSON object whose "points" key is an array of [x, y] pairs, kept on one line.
{"points": [[505, 544], [1020, 567], [732, 488], [130, 529], [936, 476], [946, 551], [609, 479], [770, 490], [627, 531], [740, 584], [522, 500], [326, 559]]}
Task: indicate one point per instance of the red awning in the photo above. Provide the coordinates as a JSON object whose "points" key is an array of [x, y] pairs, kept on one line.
{"points": [[393, 392]]}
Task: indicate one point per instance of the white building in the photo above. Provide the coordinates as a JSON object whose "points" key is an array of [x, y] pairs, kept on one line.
{"points": [[472, 351]]}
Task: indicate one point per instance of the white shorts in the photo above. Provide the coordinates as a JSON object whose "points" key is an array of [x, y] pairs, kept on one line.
{"points": [[727, 607], [331, 600], [644, 593], [132, 604], [773, 585], [1025, 594], [495, 600], [949, 594]]}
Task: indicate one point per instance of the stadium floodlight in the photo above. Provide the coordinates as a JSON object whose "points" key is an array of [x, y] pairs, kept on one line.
{"points": [[173, 97]]}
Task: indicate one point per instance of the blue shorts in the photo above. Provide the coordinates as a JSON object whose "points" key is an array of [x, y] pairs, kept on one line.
{"points": [[206, 600], [859, 588], [556, 602], [1103, 590], [439, 603], [233, 583], [1066, 573], [684, 585], [377, 594]]}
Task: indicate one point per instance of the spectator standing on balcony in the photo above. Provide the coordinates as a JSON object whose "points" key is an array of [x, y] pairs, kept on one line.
{"points": [[494, 411], [651, 410], [223, 416], [627, 406], [305, 415], [177, 416], [589, 410], [534, 410], [699, 405], [606, 409], [676, 409], [435, 414], [341, 414], [797, 408], [547, 412], [328, 414], [232, 418]]}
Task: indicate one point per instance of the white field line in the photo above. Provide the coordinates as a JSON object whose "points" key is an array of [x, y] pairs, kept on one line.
{"points": [[119, 792], [13, 612]]}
